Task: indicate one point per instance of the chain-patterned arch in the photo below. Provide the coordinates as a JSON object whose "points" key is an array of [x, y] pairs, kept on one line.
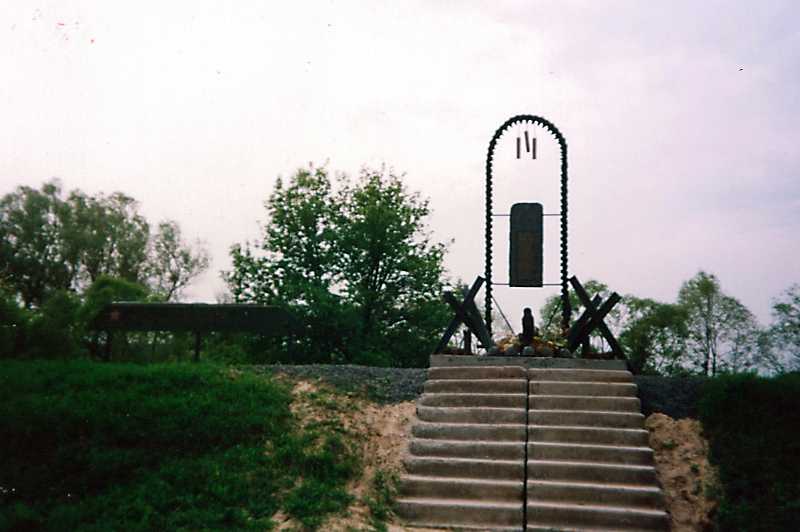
{"points": [[566, 309]]}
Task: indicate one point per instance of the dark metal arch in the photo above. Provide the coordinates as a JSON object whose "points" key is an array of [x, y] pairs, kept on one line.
{"points": [[566, 309]]}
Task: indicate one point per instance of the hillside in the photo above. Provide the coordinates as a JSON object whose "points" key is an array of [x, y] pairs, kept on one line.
{"points": [[183, 446]]}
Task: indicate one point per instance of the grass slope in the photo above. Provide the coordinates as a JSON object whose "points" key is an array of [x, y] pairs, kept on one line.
{"points": [[89, 446]]}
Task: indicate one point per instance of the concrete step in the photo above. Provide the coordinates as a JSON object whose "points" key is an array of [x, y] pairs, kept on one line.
{"points": [[443, 414], [548, 528], [527, 362], [579, 375], [612, 454], [464, 468], [596, 472], [468, 449], [469, 431], [582, 402], [591, 435], [502, 400], [414, 486], [476, 386], [560, 515], [477, 372], [622, 420], [460, 513], [596, 493], [594, 389]]}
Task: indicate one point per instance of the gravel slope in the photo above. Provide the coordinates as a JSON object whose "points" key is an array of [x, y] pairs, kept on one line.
{"points": [[673, 396]]}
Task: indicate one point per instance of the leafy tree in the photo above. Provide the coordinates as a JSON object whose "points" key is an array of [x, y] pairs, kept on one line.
{"points": [[785, 330], [173, 263], [722, 333], [356, 264], [393, 270], [48, 244], [107, 236], [654, 336], [33, 260]]}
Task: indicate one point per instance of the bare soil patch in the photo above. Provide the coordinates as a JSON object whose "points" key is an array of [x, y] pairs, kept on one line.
{"points": [[689, 481]]}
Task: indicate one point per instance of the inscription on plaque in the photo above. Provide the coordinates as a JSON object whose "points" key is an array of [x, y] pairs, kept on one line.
{"points": [[526, 250]]}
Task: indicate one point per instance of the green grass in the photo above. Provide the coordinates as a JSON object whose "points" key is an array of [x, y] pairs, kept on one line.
{"points": [[380, 499], [753, 425], [90, 446]]}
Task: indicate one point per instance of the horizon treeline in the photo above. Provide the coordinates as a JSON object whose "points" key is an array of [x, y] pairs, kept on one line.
{"points": [[354, 259]]}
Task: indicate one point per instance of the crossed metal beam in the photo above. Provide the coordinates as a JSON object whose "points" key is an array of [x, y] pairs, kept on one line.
{"points": [[466, 313], [592, 318]]}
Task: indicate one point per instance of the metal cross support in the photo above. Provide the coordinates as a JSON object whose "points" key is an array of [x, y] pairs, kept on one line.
{"points": [[592, 319], [466, 313]]}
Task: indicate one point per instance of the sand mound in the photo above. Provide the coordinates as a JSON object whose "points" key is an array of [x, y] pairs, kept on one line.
{"points": [[690, 482]]}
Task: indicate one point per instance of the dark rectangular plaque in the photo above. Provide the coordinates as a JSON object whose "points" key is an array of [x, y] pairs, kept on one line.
{"points": [[527, 251]]}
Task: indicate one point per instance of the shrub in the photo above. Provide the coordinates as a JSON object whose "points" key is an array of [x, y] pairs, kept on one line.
{"points": [[753, 425], [55, 331]]}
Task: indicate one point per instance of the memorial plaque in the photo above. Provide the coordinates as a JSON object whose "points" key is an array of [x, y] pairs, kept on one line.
{"points": [[526, 252]]}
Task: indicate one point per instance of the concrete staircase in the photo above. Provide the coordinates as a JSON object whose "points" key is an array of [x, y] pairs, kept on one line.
{"points": [[589, 462], [466, 460], [539, 444]]}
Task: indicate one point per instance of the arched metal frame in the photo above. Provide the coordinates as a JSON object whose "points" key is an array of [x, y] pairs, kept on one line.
{"points": [[566, 309]]}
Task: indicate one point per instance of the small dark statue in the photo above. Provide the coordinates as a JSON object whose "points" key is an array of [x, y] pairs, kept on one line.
{"points": [[528, 327]]}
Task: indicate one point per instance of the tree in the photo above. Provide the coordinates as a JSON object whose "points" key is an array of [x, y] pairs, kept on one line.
{"points": [[785, 329], [722, 333], [393, 270], [654, 336], [106, 235], [33, 258], [173, 263], [48, 244], [356, 264]]}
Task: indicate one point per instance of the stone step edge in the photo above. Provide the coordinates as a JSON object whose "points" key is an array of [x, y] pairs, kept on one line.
{"points": [[472, 503], [495, 381], [500, 366], [562, 396], [595, 485], [562, 411], [489, 394], [597, 508], [582, 427], [462, 480], [598, 446], [605, 383], [481, 408], [461, 460], [483, 443], [583, 463], [471, 425]]}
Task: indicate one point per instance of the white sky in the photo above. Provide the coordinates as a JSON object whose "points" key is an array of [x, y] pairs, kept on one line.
{"points": [[681, 119]]}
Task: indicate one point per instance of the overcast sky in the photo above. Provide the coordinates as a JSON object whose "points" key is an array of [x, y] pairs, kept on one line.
{"points": [[682, 119]]}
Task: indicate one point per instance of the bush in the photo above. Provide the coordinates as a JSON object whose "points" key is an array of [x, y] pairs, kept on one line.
{"points": [[753, 425], [55, 330], [13, 326]]}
